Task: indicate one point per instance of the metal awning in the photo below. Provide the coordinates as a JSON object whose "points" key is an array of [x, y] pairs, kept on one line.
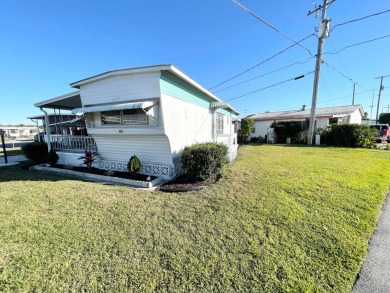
{"points": [[114, 107], [68, 123], [219, 105]]}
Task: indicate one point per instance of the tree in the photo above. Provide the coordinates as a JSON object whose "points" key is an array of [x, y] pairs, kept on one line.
{"points": [[247, 125], [384, 118]]}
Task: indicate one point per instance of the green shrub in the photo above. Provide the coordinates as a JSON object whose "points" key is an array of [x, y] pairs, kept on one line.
{"points": [[52, 157], [350, 135], [204, 160], [292, 129], [257, 139], [134, 165], [36, 151]]}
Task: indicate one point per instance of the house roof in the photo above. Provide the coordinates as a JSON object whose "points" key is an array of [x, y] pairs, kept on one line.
{"points": [[328, 112], [68, 101], [165, 67]]}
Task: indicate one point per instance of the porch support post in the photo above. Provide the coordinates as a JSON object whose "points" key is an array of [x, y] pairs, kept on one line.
{"points": [[47, 128]]}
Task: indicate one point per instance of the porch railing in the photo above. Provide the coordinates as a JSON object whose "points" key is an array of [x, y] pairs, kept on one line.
{"points": [[73, 142]]}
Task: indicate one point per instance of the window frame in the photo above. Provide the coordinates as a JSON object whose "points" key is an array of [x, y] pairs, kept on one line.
{"points": [[123, 121], [219, 123]]}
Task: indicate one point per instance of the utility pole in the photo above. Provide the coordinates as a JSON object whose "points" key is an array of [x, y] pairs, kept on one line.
{"points": [[353, 94], [379, 96], [372, 105], [322, 34]]}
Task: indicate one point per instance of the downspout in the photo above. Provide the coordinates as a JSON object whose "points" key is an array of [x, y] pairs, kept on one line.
{"points": [[230, 137], [36, 122], [47, 128], [213, 126]]}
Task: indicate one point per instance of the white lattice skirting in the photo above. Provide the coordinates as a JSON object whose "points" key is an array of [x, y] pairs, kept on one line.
{"points": [[164, 171]]}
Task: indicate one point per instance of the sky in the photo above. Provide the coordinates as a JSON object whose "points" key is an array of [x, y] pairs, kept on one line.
{"points": [[46, 45]]}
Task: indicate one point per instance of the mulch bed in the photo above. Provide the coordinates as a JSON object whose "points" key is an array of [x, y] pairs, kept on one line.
{"points": [[118, 174], [184, 183]]}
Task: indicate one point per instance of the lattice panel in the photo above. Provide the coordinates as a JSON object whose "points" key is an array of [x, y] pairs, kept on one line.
{"points": [[178, 165], [148, 169], [112, 165]]}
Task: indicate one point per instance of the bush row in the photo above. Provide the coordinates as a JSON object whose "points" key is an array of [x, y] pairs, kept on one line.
{"points": [[350, 135]]}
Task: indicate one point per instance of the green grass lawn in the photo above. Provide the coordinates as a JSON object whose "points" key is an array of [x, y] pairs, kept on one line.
{"points": [[283, 219]]}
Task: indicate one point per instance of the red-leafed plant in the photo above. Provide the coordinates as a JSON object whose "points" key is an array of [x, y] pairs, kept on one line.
{"points": [[89, 157]]}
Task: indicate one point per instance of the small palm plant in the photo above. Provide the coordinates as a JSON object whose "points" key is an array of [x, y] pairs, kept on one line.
{"points": [[89, 157], [134, 165]]}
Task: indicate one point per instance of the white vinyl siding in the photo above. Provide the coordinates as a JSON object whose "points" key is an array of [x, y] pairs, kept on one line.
{"points": [[185, 123], [120, 147], [119, 89]]}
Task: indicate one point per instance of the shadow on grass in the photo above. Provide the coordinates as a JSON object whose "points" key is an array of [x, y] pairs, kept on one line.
{"points": [[21, 172], [289, 145]]}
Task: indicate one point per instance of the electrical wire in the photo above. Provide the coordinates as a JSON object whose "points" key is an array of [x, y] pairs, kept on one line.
{"points": [[338, 56], [270, 25], [264, 74], [344, 97], [358, 19], [258, 64], [272, 85], [357, 44], [339, 72]]}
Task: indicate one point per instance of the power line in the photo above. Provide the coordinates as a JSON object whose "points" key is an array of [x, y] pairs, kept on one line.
{"points": [[338, 56], [358, 19], [342, 63], [357, 44], [267, 87], [264, 74], [258, 64], [339, 72], [271, 26], [344, 97]]}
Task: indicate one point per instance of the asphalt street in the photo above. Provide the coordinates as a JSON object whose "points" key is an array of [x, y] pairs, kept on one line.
{"points": [[374, 276]]}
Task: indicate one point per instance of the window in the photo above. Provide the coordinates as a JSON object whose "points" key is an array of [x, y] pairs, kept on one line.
{"points": [[125, 117], [111, 117], [134, 117], [219, 123]]}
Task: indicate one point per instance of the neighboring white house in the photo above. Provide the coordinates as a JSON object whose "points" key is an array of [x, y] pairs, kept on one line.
{"points": [[323, 117], [19, 131], [151, 112]]}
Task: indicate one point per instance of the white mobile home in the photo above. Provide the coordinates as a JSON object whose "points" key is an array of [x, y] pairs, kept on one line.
{"points": [[18, 131], [324, 117], [152, 112]]}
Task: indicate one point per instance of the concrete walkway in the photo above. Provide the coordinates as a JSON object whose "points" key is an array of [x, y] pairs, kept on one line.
{"points": [[374, 276], [12, 160]]}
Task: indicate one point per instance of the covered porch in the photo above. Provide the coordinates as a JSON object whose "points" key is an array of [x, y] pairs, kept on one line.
{"points": [[64, 130]]}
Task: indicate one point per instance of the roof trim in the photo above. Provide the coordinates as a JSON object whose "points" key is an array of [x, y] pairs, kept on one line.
{"points": [[57, 99], [119, 72]]}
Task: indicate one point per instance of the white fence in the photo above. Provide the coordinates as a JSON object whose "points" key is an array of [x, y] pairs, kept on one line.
{"points": [[72, 142]]}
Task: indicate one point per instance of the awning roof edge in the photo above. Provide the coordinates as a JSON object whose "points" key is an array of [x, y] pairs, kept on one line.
{"points": [[114, 107]]}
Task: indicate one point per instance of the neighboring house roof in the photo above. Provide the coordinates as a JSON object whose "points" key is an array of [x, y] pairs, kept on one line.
{"points": [[328, 112]]}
